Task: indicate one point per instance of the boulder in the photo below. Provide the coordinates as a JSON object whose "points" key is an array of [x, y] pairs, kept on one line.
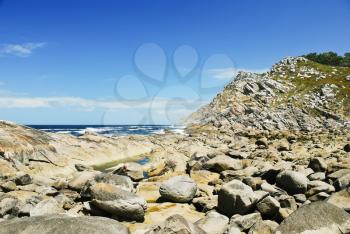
{"points": [[291, 181], [176, 224], [118, 202], [178, 189], [205, 204], [318, 186], [222, 163], [342, 182], [341, 199], [8, 205], [318, 164], [80, 179], [46, 207], [317, 217], [263, 227], [148, 190], [23, 179], [120, 181], [317, 176], [268, 206], [245, 222], [213, 223], [236, 197], [347, 148], [61, 224], [132, 169], [8, 186]]}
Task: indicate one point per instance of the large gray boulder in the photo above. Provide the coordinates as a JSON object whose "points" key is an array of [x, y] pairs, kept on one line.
{"points": [[236, 197], [291, 181], [222, 163], [61, 224], [178, 189], [118, 202], [318, 217]]}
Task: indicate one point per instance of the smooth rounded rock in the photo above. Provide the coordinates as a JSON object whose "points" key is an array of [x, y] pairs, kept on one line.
{"points": [[178, 189], [115, 201], [291, 181]]}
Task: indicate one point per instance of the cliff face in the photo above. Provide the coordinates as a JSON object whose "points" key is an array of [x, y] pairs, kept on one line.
{"points": [[296, 94]]}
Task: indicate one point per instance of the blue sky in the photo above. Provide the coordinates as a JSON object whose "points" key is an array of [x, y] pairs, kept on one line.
{"points": [[133, 62]]}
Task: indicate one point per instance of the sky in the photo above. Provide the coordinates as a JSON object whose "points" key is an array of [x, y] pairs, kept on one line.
{"points": [[147, 61]]}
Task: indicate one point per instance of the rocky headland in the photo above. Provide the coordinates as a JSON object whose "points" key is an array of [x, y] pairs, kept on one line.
{"points": [[270, 154]]}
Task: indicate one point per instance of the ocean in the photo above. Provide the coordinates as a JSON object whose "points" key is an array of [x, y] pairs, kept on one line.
{"points": [[110, 130]]}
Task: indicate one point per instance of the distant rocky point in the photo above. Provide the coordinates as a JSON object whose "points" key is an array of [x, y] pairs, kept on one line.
{"points": [[296, 94]]}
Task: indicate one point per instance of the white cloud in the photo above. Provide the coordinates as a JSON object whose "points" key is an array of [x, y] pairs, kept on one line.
{"points": [[230, 72], [87, 104], [20, 50]]}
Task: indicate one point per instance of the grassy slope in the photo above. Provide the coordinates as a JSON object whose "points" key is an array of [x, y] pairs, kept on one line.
{"points": [[313, 84]]}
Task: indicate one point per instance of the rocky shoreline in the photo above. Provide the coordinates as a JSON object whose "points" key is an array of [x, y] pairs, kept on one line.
{"points": [[290, 174]]}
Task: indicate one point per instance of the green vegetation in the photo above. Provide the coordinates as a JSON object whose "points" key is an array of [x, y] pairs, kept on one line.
{"points": [[330, 58], [307, 84]]}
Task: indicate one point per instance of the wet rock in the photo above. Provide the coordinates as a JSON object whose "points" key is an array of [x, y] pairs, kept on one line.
{"points": [[291, 181], [236, 197], [116, 201], [318, 164], [178, 189], [222, 162], [213, 223], [176, 224], [59, 224], [317, 217]]}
